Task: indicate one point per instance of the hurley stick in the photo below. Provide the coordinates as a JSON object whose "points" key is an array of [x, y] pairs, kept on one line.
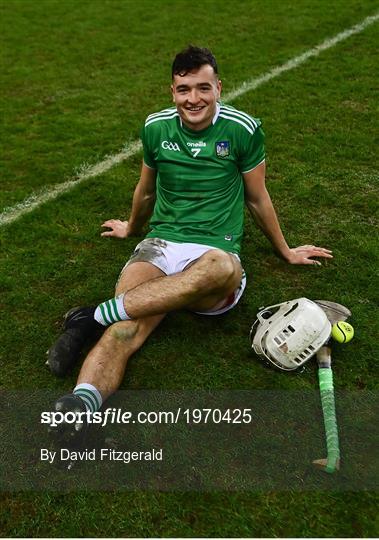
{"points": [[335, 312]]}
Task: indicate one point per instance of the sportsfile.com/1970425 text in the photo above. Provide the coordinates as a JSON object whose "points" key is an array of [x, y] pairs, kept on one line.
{"points": [[118, 416]]}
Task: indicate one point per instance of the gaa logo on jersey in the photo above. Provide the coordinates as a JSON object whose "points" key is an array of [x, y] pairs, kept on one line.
{"points": [[168, 145], [223, 149]]}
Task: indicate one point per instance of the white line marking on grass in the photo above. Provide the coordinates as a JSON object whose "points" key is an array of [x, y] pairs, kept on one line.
{"points": [[35, 200], [13, 213], [295, 62]]}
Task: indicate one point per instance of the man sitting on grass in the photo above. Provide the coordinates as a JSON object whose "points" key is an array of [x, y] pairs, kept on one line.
{"points": [[202, 162]]}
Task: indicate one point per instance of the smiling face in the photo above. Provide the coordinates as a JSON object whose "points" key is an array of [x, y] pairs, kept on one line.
{"points": [[195, 95]]}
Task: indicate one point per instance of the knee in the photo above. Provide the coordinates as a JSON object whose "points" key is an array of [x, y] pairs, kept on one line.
{"points": [[222, 270]]}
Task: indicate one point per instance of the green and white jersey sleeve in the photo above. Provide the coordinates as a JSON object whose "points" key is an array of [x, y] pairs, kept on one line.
{"points": [[200, 192]]}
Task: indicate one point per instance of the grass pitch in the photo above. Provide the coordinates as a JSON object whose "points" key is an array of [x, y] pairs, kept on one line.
{"points": [[78, 79]]}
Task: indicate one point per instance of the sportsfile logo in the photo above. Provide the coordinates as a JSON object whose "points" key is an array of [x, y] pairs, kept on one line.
{"points": [[171, 146]]}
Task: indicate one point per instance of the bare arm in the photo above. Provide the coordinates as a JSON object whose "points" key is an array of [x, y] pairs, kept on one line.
{"points": [[142, 207], [261, 208]]}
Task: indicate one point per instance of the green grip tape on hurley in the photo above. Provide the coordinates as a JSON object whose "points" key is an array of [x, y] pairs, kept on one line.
{"points": [[325, 376]]}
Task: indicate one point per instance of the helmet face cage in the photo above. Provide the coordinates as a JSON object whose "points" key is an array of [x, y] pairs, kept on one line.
{"points": [[288, 334]]}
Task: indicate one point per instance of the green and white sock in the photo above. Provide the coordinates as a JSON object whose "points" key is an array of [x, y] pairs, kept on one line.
{"points": [[111, 311], [90, 395]]}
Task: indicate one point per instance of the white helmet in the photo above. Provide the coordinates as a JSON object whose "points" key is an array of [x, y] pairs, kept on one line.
{"points": [[289, 334]]}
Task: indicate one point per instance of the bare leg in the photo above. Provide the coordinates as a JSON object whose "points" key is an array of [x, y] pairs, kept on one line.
{"points": [[210, 279], [105, 364]]}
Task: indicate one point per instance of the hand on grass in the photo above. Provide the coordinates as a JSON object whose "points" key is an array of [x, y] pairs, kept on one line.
{"points": [[303, 254], [119, 229]]}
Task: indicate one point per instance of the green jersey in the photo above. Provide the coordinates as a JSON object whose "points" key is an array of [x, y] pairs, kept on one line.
{"points": [[200, 191]]}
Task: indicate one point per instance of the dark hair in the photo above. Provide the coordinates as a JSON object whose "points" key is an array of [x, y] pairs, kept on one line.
{"points": [[192, 58]]}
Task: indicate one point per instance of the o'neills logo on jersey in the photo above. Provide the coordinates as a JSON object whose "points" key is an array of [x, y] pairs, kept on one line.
{"points": [[171, 146], [197, 144]]}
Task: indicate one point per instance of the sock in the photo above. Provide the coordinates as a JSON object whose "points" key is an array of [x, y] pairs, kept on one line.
{"points": [[90, 395], [111, 311]]}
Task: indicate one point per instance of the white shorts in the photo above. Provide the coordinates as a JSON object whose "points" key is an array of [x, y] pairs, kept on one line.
{"points": [[174, 257]]}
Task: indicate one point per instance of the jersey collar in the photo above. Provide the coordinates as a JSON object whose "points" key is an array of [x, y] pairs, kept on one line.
{"points": [[218, 106]]}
